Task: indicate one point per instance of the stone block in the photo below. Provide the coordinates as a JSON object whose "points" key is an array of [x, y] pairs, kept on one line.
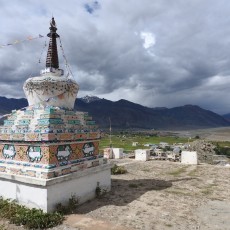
{"points": [[189, 157], [142, 154]]}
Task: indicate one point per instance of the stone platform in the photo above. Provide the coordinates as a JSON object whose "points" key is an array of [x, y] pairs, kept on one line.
{"points": [[46, 194]]}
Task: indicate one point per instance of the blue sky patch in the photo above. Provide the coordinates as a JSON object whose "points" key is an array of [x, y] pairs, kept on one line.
{"points": [[91, 7]]}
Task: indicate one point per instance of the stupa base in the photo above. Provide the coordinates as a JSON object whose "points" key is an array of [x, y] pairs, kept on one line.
{"points": [[45, 194]]}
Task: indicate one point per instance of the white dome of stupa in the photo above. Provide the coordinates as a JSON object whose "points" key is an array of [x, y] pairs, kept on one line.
{"points": [[51, 88]]}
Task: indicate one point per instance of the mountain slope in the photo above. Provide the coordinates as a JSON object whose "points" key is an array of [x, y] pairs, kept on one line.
{"points": [[9, 104], [226, 116], [126, 115]]}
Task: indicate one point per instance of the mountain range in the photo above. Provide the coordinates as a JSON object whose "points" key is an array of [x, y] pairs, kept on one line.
{"points": [[124, 114], [227, 116]]}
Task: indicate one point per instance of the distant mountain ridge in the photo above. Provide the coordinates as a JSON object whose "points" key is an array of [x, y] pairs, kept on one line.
{"points": [[227, 116], [125, 114], [9, 104], [128, 115]]}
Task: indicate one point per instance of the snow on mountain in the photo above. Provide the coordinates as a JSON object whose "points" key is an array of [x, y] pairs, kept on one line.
{"points": [[90, 98]]}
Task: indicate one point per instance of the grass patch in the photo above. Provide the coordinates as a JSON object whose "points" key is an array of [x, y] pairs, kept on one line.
{"points": [[125, 141], [136, 185], [2, 227], [133, 185], [178, 171], [146, 170], [221, 143], [169, 225], [208, 190], [193, 173], [179, 192]]}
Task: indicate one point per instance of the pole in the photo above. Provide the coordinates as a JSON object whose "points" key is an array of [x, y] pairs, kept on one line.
{"points": [[110, 140]]}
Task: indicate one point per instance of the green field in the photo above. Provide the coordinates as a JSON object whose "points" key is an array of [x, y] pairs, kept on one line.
{"points": [[125, 141], [222, 143]]}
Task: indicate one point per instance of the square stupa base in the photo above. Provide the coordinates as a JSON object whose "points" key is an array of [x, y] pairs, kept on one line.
{"points": [[189, 157], [46, 194], [142, 154]]}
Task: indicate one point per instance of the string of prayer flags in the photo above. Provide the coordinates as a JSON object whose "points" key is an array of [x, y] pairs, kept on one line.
{"points": [[29, 38]]}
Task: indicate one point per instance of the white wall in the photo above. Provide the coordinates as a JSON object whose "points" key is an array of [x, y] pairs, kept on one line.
{"points": [[82, 187], [188, 157], [142, 154], [29, 195], [82, 184], [118, 153]]}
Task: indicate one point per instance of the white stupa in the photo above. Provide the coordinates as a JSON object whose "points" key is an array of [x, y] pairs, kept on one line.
{"points": [[48, 151]]}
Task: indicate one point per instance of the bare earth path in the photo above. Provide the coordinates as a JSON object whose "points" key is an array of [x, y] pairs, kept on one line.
{"points": [[159, 195], [163, 195]]}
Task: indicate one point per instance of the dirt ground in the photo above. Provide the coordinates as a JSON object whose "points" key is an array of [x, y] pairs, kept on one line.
{"points": [[158, 195], [212, 134]]}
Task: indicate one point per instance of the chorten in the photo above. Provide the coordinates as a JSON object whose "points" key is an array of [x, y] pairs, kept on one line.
{"points": [[48, 151]]}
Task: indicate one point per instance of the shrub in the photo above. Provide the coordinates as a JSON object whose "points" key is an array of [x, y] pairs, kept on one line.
{"points": [[30, 218], [118, 170], [70, 207], [99, 191]]}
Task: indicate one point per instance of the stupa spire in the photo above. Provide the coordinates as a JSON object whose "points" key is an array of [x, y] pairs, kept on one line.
{"points": [[52, 54], [51, 88]]}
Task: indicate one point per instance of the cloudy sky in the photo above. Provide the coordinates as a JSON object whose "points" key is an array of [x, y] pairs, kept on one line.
{"points": [[159, 53]]}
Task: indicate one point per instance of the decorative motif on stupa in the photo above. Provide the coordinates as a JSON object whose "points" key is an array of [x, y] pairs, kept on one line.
{"points": [[52, 88]]}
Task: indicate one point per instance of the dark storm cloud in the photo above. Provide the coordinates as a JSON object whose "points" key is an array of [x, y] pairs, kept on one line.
{"points": [[186, 60]]}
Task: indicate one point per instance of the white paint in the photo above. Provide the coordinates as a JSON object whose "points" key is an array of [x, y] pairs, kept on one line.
{"points": [[45, 194], [35, 155], [88, 149], [52, 96], [52, 71], [108, 153], [9, 153], [118, 153], [142, 154], [63, 154], [26, 194], [188, 157]]}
